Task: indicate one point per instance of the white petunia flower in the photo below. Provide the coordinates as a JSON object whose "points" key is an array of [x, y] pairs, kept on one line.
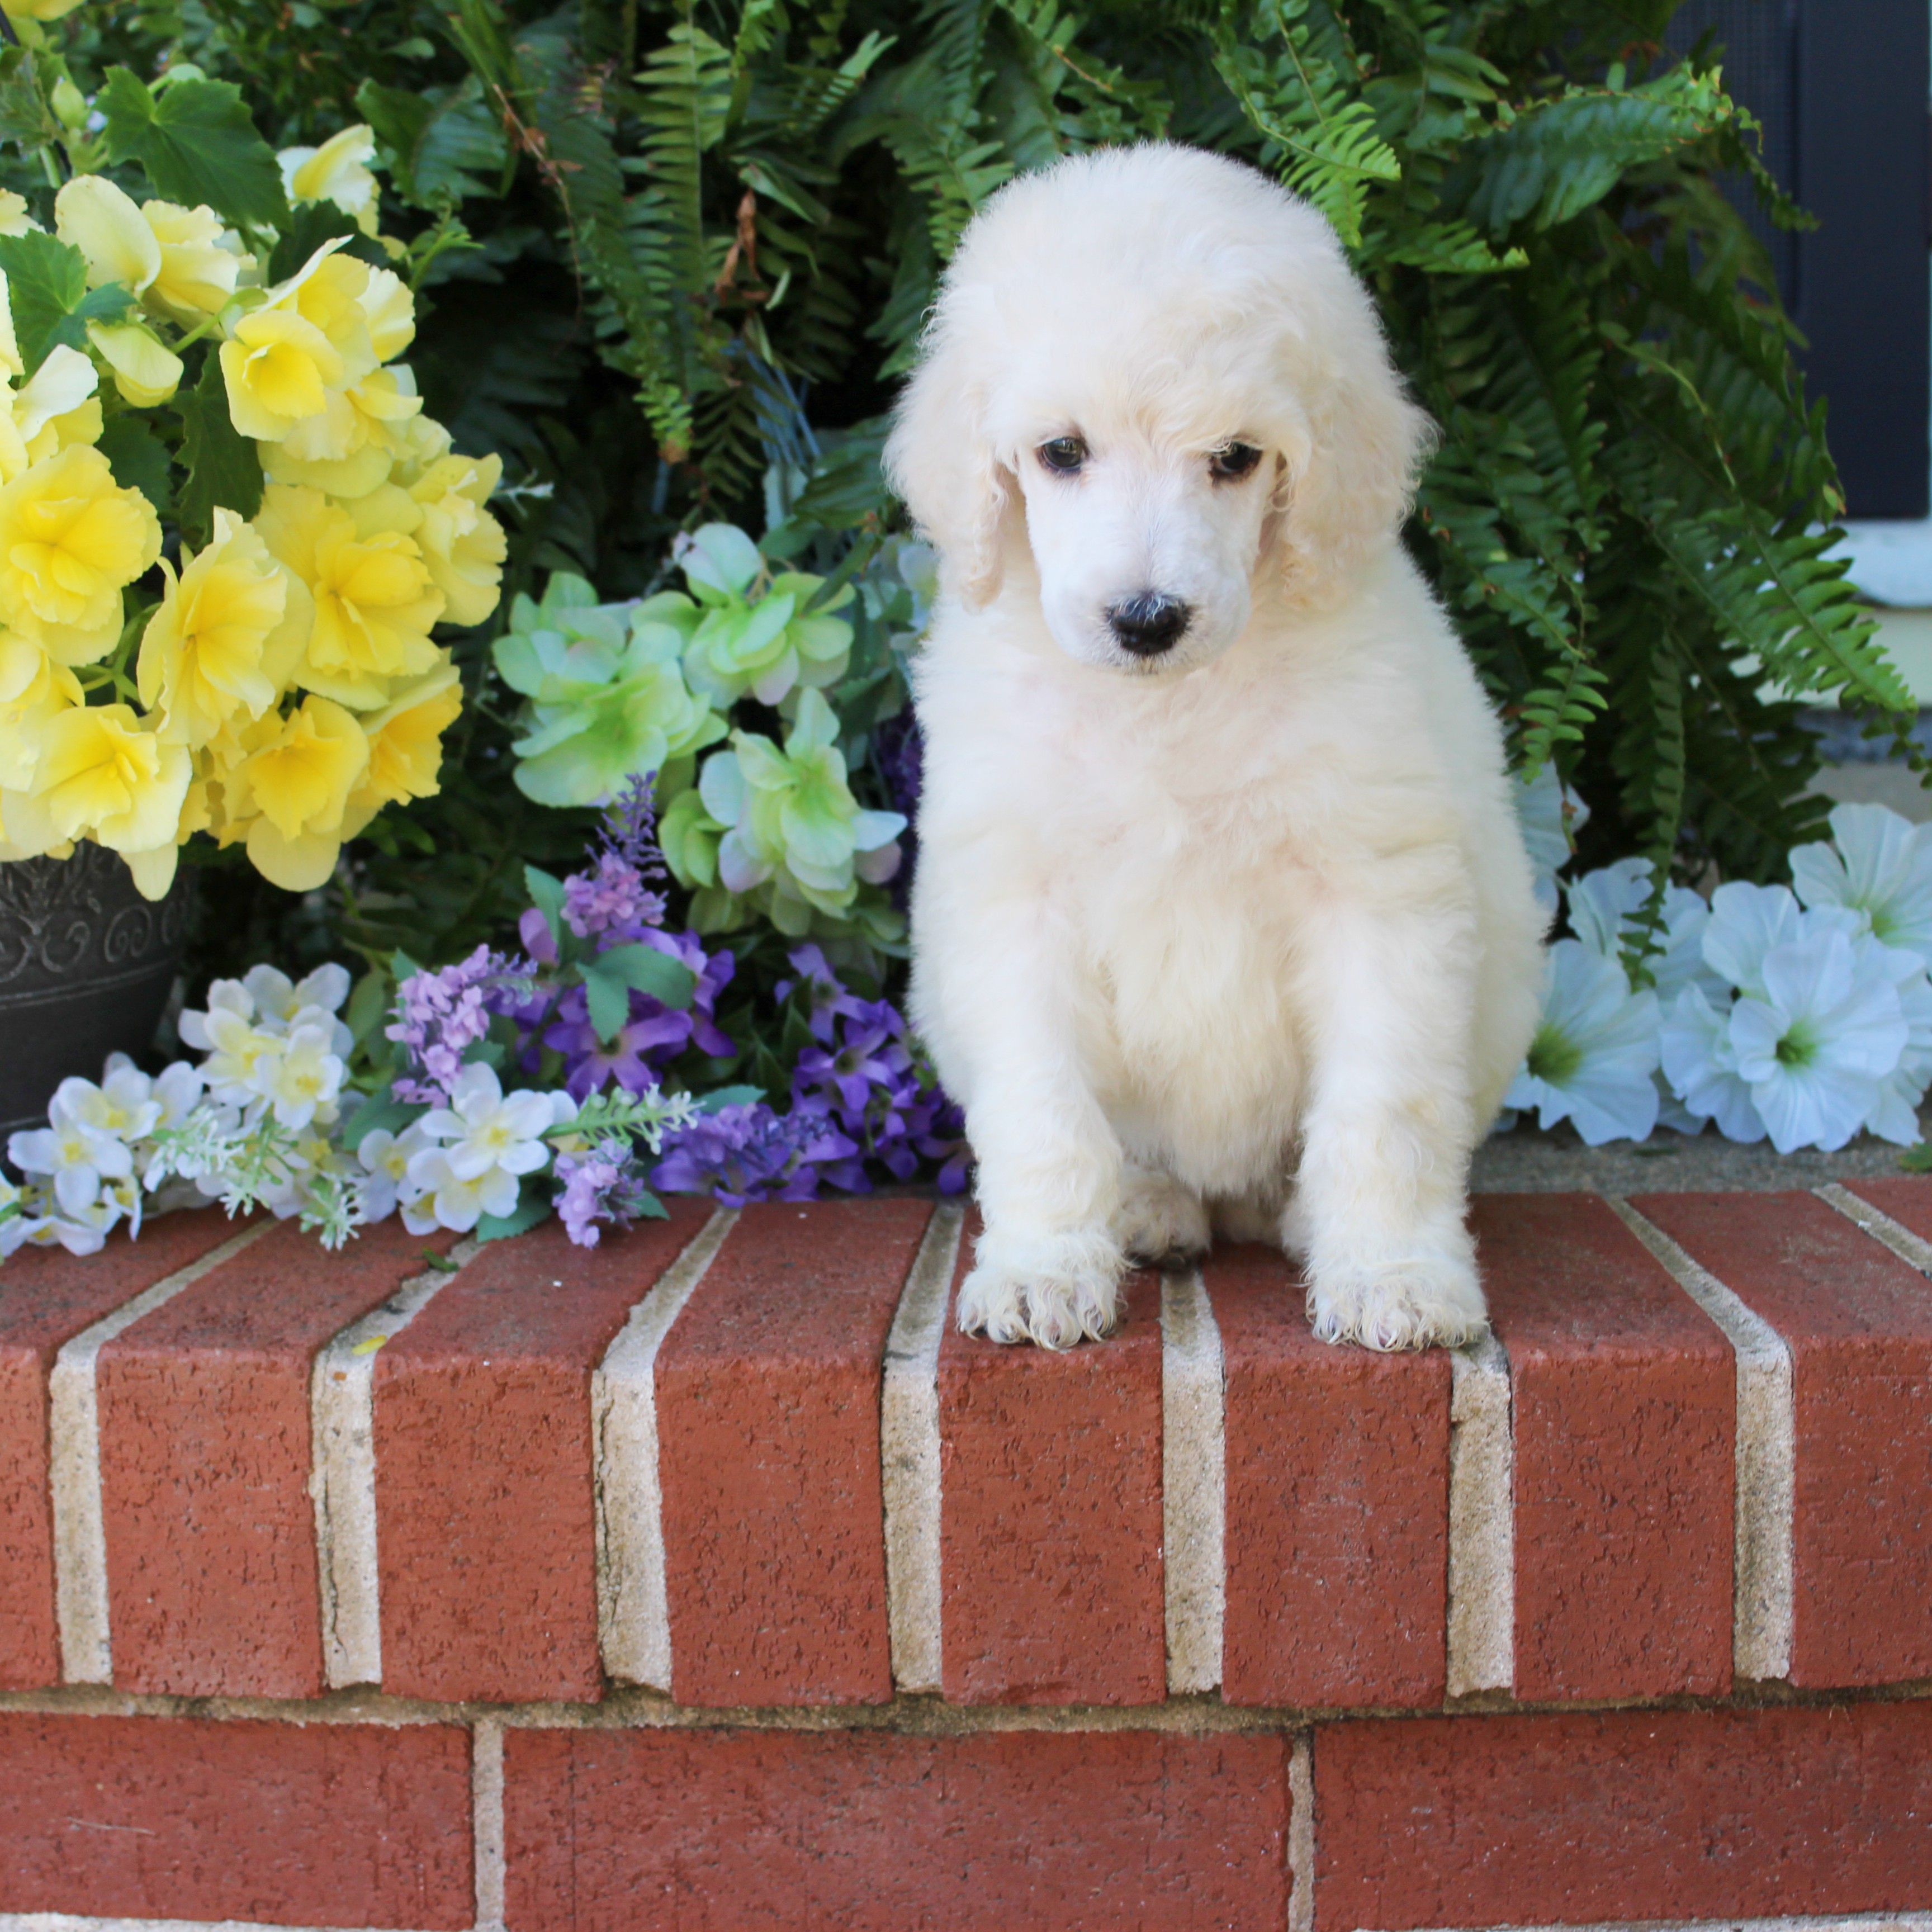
{"points": [[486, 1129], [1550, 814], [1746, 921], [1603, 906], [1594, 1050], [1894, 1115], [1879, 867], [1816, 1041], [1701, 1067]]}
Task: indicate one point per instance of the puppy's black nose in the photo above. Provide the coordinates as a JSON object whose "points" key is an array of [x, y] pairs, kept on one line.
{"points": [[1150, 623]]}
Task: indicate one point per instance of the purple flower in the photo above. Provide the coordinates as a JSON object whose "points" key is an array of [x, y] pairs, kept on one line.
{"points": [[745, 1153], [830, 999], [593, 1063], [612, 900], [441, 1015], [605, 1184]]}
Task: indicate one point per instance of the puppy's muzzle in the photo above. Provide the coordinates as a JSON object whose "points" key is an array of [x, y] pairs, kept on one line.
{"points": [[1150, 623]]}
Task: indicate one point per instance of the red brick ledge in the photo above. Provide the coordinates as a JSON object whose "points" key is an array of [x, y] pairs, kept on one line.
{"points": [[744, 1463]]}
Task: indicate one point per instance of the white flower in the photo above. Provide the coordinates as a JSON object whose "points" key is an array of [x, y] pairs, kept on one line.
{"points": [[85, 1235], [276, 998], [1746, 921], [1881, 869], [1594, 1050], [1604, 908], [446, 1200], [224, 996], [385, 1159], [487, 1130], [1701, 1067], [1815, 1042], [123, 1105], [13, 1217], [1550, 814], [1894, 1115], [301, 1080], [78, 1158], [179, 1087], [237, 1048]]}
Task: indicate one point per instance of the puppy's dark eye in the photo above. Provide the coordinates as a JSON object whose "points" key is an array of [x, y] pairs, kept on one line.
{"points": [[1232, 461], [1065, 455]]}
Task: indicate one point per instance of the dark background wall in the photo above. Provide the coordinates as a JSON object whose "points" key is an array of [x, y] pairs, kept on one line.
{"points": [[1841, 87]]}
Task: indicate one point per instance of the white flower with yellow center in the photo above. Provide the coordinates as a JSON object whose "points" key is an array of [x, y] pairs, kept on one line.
{"points": [[301, 1082]]}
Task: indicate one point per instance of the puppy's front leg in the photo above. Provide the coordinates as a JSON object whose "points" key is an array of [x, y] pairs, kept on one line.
{"points": [[1378, 1208], [998, 1006]]}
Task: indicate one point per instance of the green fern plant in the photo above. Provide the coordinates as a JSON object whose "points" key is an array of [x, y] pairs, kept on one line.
{"points": [[718, 227]]}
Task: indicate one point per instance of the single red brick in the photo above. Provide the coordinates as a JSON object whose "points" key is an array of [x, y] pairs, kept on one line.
{"points": [[870, 1832], [1859, 1323], [1624, 1394], [1906, 1199], [767, 1394], [271, 1823], [205, 1464], [49, 1298], [1338, 1504], [1052, 1589], [1581, 1818], [486, 1512]]}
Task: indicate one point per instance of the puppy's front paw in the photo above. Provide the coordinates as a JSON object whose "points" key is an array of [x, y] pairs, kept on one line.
{"points": [[1055, 1293], [1429, 1302], [1159, 1224]]}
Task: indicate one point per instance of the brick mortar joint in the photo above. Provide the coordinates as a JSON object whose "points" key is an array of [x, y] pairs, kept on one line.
{"points": [[628, 1709]]}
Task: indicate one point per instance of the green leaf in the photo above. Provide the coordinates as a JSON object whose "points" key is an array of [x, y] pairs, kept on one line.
{"points": [[648, 970], [139, 460], [1917, 1159], [532, 1206], [546, 892], [46, 285], [222, 470], [381, 1109], [720, 1097], [310, 225], [196, 144]]}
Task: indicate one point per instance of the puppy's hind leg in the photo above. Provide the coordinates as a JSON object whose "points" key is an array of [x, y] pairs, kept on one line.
{"points": [[1159, 1223]]}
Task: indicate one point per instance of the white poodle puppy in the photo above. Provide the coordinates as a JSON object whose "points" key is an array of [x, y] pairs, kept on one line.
{"points": [[1222, 916]]}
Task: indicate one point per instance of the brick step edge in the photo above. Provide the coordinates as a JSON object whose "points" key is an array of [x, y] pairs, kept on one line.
{"points": [[426, 1821], [744, 1460]]}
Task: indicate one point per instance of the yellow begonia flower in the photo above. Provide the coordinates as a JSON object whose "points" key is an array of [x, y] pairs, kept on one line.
{"points": [[338, 171], [279, 369], [38, 10], [406, 746], [198, 272], [92, 215], [70, 537], [375, 603], [14, 219], [227, 636], [33, 690], [145, 373], [389, 314], [25, 831], [102, 773], [346, 479], [294, 790], [463, 545]]}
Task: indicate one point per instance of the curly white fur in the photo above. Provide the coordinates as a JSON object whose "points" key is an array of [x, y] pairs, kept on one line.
{"points": [[1244, 933]]}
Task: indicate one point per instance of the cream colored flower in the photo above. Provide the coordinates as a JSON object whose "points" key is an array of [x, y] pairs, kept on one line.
{"points": [[227, 637], [293, 790], [145, 373], [201, 261], [70, 537], [405, 745], [375, 603], [14, 219], [105, 774], [463, 545], [34, 690], [92, 215], [338, 171]]}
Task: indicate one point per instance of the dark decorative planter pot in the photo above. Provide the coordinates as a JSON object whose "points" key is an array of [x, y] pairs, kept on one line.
{"points": [[86, 963]]}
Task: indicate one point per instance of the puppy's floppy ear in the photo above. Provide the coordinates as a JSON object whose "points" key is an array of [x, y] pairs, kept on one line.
{"points": [[940, 458], [1355, 446]]}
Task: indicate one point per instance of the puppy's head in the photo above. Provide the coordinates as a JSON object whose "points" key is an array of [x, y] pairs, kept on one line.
{"points": [[1154, 369]]}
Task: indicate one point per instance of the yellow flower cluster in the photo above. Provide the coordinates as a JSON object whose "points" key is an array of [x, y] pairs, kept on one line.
{"points": [[290, 686]]}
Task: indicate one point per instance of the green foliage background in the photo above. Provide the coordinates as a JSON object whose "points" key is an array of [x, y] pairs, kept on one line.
{"points": [[680, 244]]}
